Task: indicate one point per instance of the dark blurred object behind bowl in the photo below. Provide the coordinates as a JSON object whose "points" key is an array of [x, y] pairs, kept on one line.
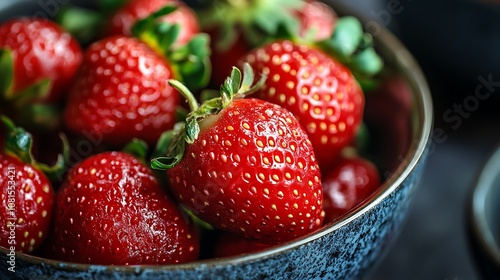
{"points": [[484, 219]]}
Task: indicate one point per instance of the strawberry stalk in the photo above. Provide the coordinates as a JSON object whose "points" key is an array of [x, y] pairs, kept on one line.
{"points": [[191, 61], [258, 20], [19, 142], [238, 85]]}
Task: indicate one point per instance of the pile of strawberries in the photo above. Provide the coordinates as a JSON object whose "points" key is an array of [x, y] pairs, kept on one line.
{"points": [[168, 134]]}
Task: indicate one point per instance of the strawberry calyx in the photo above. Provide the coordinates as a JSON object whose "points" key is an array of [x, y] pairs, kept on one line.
{"points": [[137, 148], [257, 20], [354, 48], [82, 23], [190, 62], [173, 143], [35, 92], [19, 143]]}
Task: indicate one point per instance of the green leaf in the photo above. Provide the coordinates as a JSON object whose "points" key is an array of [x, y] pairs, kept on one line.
{"points": [[346, 37], [367, 62], [35, 92], [138, 148], [19, 143], [175, 150], [7, 74], [197, 221], [192, 130], [55, 172], [192, 61], [83, 24], [39, 117]]}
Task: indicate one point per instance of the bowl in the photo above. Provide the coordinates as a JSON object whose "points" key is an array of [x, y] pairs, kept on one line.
{"points": [[484, 219], [344, 249]]}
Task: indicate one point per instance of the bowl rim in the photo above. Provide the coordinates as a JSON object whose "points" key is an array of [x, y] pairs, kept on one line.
{"points": [[416, 79], [481, 230]]}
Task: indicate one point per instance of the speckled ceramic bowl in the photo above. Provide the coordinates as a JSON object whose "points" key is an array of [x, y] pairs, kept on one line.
{"points": [[342, 250], [484, 219]]}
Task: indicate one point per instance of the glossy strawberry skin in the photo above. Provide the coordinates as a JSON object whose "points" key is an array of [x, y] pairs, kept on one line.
{"points": [[111, 210], [27, 198], [41, 49], [322, 94], [252, 171], [122, 92], [316, 17], [351, 181], [122, 20]]}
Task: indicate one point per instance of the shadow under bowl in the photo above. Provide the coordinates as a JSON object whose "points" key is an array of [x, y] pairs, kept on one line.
{"points": [[345, 249], [484, 219]]}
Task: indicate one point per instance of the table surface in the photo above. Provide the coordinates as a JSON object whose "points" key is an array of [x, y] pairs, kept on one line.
{"points": [[433, 242]]}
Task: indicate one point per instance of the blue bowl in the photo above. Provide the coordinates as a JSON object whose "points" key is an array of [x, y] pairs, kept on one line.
{"points": [[345, 249]]}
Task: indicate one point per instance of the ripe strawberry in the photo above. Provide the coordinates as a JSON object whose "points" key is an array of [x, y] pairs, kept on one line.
{"points": [[122, 92], [227, 245], [123, 19], [236, 27], [351, 181], [318, 83], [111, 210], [27, 195], [248, 166], [388, 116], [38, 61], [320, 91], [317, 19]]}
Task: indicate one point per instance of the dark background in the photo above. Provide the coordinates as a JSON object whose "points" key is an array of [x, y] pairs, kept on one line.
{"points": [[457, 44]]}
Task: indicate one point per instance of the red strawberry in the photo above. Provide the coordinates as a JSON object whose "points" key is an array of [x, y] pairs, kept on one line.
{"points": [[351, 181], [233, 34], [227, 245], [122, 92], [27, 195], [122, 20], [316, 18], [111, 210], [388, 116], [248, 168], [38, 61], [320, 91]]}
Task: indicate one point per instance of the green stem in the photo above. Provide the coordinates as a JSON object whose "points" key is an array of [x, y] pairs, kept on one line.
{"points": [[186, 93]]}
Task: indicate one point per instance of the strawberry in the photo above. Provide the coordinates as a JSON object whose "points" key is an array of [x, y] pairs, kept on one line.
{"points": [[111, 210], [227, 245], [388, 117], [351, 181], [245, 165], [121, 21], [27, 195], [38, 61], [316, 84], [320, 91], [122, 92], [317, 19], [236, 27]]}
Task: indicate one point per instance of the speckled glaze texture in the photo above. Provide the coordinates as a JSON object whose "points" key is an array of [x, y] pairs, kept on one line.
{"points": [[346, 253]]}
